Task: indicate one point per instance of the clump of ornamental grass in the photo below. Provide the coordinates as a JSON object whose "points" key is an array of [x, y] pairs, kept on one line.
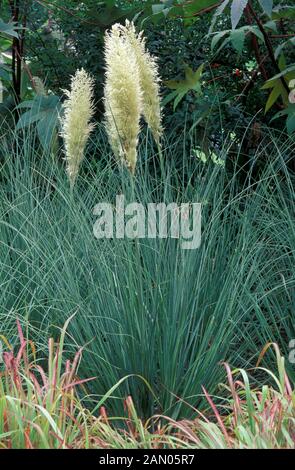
{"points": [[76, 123], [40, 407], [248, 417], [131, 91]]}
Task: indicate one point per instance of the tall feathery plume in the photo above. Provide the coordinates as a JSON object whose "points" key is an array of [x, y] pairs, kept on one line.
{"points": [[75, 122], [149, 80], [39, 86], [122, 97]]}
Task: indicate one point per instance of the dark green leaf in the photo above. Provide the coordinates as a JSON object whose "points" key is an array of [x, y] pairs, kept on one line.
{"points": [[217, 37], [8, 29], [237, 38]]}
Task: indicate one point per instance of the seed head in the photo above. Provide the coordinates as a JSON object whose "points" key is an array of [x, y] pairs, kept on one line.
{"points": [[75, 122], [149, 80], [122, 97]]}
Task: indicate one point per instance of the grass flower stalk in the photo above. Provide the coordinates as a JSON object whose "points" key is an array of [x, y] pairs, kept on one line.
{"points": [[76, 123], [149, 80], [122, 97]]}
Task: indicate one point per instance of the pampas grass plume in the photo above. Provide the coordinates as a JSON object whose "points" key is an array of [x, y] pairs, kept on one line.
{"points": [[76, 123], [122, 97], [149, 80]]}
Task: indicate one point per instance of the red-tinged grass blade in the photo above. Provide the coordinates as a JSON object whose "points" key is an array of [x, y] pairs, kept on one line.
{"points": [[237, 409], [36, 384], [21, 353], [62, 444], [218, 417], [55, 376], [20, 332], [42, 374], [78, 382], [75, 364], [103, 414], [180, 425], [28, 442]]}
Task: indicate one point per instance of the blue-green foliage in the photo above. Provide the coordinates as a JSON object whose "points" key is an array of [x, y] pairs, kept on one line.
{"points": [[147, 306]]}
